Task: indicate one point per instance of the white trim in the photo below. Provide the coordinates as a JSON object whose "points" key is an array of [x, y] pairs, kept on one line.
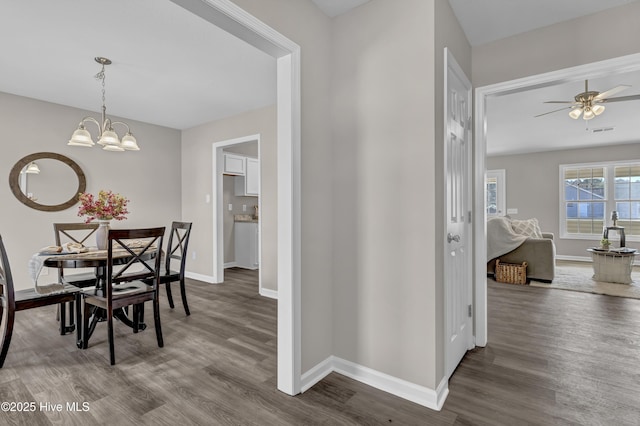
{"points": [[430, 398], [573, 258], [608, 67], [200, 277], [267, 292], [230, 265], [636, 261], [228, 16]]}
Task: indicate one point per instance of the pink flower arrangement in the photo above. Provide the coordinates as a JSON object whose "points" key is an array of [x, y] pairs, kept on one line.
{"points": [[106, 206]]}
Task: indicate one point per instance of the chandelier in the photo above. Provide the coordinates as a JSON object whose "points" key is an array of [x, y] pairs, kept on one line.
{"points": [[107, 137]]}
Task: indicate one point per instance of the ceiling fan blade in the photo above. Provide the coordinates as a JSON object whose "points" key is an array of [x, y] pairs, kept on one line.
{"points": [[621, 98], [611, 92], [555, 110], [560, 102]]}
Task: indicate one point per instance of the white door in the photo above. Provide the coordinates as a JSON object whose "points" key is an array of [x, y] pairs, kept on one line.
{"points": [[458, 244]]}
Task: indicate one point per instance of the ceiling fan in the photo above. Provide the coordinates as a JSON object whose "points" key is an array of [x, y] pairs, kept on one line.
{"points": [[589, 103]]}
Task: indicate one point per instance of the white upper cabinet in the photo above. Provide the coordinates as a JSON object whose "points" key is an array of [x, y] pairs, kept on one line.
{"points": [[234, 164], [247, 184], [252, 177]]}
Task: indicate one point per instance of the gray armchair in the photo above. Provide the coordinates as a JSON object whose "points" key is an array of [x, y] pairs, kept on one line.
{"points": [[540, 255]]}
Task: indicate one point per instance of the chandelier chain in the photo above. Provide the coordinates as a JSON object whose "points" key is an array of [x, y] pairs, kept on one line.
{"points": [[102, 76]]}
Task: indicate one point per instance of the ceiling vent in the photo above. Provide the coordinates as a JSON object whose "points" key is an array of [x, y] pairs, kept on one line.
{"points": [[603, 129]]}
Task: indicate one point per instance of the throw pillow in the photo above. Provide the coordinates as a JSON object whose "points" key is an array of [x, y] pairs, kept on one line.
{"points": [[528, 227]]}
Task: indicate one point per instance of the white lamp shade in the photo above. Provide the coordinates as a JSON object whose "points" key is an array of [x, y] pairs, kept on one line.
{"points": [[575, 113], [32, 168], [113, 148], [598, 109], [129, 143], [109, 137], [588, 114], [81, 137]]}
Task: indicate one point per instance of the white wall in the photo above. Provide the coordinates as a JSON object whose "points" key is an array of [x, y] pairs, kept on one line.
{"points": [[150, 178], [197, 180]]}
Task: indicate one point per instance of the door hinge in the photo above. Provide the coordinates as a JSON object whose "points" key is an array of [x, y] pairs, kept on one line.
{"points": [[470, 311], [469, 215]]}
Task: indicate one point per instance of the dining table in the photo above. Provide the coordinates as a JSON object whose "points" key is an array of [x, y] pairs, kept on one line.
{"points": [[94, 258]]}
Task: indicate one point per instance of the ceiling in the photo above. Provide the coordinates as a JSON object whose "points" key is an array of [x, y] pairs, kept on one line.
{"points": [[172, 68], [512, 127]]}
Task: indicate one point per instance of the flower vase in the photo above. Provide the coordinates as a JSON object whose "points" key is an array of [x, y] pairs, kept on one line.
{"points": [[102, 234]]}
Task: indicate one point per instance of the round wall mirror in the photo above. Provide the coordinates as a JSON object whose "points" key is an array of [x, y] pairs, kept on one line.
{"points": [[47, 181]]}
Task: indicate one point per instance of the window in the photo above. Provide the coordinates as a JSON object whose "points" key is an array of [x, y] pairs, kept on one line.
{"points": [[495, 192], [587, 202]]}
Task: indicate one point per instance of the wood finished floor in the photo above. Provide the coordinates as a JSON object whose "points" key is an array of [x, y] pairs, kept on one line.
{"points": [[554, 358]]}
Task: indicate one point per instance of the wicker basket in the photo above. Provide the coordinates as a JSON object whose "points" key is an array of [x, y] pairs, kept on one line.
{"points": [[511, 273]]}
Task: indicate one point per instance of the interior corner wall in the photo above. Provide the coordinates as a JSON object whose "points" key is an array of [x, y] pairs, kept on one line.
{"points": [[150, 178], [559, 46], [449, 34], [197, 184], [533, 186], [384, 213]]}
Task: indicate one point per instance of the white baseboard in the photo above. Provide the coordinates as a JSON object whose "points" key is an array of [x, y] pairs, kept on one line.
{"points": [[584, 259], [433, 399], [200, 277], [267, 292], [573, 258], [230, 265]]}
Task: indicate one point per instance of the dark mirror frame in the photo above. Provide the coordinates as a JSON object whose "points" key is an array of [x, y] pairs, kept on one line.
{"points": [[14, 181]]}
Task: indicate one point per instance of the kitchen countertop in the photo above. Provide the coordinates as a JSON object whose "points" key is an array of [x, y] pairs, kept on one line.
{"points": [[245, 218]]}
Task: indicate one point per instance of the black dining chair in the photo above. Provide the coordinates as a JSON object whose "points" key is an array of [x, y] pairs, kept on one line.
{"points": [[128, 284], [79, 233], [177, 250], [13, 301]]}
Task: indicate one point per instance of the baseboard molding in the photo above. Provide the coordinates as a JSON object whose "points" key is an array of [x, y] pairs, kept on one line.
{"points": [[271, 294], [200, 277], [433, 399], [585, 259], [574, 258], [230, 265]]}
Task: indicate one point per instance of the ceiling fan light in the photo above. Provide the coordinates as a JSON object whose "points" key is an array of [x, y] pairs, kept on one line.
{"points": [[81, 137], [598, 109], [588, 114], [575, 113]]}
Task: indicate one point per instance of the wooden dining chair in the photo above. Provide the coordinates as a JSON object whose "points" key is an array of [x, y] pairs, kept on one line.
{"points": [[13, 301], [124, 285], [177, 250], [77, 233], [80, 233]]}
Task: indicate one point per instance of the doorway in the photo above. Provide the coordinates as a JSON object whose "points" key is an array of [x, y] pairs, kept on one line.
{"points": [[228, 16], [598, 69], [230, 203]]}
